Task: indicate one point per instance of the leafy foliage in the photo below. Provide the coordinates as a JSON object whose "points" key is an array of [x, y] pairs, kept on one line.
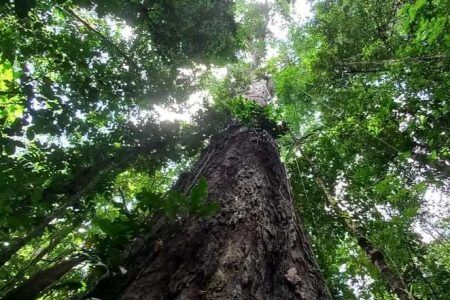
{"points": [[362, 102], [174, 205], [364, 97], [77, 121]]}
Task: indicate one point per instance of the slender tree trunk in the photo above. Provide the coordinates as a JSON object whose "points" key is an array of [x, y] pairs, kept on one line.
{"points": [[31, 288], [395, 283], [59, 236], [253, 248], [39, 230], [443, 170], [89, 183]]}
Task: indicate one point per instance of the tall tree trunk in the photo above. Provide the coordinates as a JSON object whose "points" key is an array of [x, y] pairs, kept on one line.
{"points": [[253, 248]]}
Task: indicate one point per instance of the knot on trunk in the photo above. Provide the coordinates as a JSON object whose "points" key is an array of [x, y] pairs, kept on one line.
{"points": [[292, 276]]}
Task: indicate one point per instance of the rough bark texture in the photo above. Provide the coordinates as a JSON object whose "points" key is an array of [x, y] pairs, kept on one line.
{"points": [[253, 248], [260, 91]]}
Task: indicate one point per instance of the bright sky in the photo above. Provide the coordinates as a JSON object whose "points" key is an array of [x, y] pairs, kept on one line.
{"points": [[301, 11], [184, 112], [437, 204]]}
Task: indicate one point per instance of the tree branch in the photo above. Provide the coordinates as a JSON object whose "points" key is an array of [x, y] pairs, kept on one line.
{"points": [[101, 36], [350, 66]]}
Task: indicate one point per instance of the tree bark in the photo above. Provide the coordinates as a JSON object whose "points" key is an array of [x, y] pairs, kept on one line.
{"points": [[396, 284], [253, 248]]}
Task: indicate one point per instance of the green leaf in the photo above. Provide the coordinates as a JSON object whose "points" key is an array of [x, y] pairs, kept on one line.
{"points": [[199, 192]]}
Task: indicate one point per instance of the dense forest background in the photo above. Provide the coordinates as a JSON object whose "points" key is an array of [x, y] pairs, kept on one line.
{"points": [[104, 103]]}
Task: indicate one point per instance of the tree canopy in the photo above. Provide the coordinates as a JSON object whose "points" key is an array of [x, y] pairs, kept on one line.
{"points": [[360, 113]]}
